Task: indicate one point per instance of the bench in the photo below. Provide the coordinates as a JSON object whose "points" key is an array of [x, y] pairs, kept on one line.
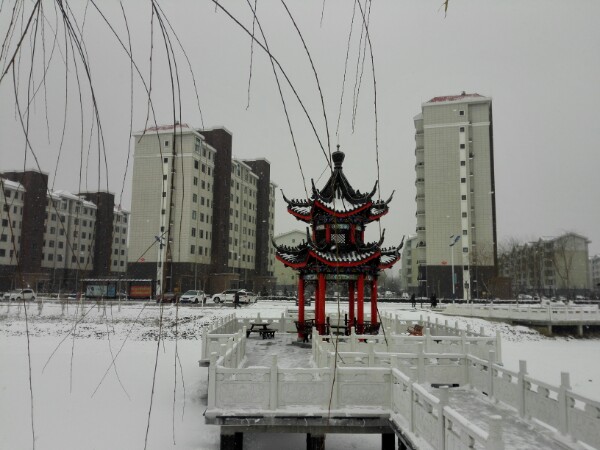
{"points": [[415, 330], [267, 333], [305, 329]]}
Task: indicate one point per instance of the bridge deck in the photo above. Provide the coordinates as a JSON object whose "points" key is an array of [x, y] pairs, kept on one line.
{"points": [[517, 433]]}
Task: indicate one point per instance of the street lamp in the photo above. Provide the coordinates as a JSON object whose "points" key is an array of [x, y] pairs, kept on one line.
{"points": [[453, 240]]}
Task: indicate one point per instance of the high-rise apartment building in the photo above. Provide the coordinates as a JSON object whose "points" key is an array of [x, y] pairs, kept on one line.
{"points": [[455, 196], [197, 218], [51, 240]]}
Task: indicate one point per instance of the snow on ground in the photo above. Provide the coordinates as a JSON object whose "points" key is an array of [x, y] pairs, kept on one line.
{"points": [[69, 415]]}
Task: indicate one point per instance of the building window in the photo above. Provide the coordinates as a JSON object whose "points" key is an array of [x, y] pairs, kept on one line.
{"points": [[195, 164], [461, 129], [464, 214], [463, 180], [193, 232], [463, 197], [203, 168], [166, 160], [195, 181], [166, 143], [463, 163], [462, 145], [195, 198], [461, 112], [192, 249], [193, 215]]}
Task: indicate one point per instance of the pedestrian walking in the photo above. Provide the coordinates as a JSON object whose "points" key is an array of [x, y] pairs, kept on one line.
{"points": [[236, 300], [433, 300], [413, 300]]}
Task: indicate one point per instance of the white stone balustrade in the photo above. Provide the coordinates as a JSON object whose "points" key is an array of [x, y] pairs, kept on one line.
{"points": [[393, 383]]}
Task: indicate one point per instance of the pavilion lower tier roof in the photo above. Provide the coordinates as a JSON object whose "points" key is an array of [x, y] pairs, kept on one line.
{"points": [[306, 257]]}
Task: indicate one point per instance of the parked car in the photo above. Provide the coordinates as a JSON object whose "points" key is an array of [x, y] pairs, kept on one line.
{"points": [[228, 296], [22, 294], [6, 296], [168, 297], [193, 296], [251, 297]]}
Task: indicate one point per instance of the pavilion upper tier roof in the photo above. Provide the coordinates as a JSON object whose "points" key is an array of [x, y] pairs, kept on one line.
{"points": [[339, 199]]}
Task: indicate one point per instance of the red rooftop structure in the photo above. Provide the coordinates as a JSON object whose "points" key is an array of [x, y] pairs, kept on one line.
{"points": [[335, 251]]}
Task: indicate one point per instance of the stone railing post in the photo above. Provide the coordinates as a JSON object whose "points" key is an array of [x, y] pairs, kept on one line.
{"points": [[420, 364], [563, 403], [463, 340], [334, 385], [282, 328], [427, 340], [353, 339], [498, 348], [212, 381], [466, 372], [491, 362], [521, 386], [443, 401], [371, 347], [204, 343], [494, 440], [273, 384]]}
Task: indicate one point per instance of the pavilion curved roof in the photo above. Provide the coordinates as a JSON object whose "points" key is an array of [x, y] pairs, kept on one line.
{"points": [[338, 198], [308, 253]]}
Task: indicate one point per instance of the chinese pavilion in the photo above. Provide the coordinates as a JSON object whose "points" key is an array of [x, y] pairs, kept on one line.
{"points": [[335, 251]]}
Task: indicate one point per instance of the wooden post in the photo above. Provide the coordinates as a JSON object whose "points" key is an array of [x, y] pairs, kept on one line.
{"points": [[300, 304], [321, 303], [374, 300]]}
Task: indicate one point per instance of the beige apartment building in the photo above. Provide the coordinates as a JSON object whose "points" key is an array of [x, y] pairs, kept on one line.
{"points": [[455, 196], [199, 218]]}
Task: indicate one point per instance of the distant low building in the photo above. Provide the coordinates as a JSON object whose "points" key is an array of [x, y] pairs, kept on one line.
{"points": [[549, 266], [409, 273], [595, 273], [287, 278]]}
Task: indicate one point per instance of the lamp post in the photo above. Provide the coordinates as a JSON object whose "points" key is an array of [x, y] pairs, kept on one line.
{"points": [[453, 240]]}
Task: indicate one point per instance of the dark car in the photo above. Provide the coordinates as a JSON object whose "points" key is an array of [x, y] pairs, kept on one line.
{"points": [[168, 297]]}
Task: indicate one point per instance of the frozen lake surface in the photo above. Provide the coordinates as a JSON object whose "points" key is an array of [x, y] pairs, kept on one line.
{"points": [[74, 410]]}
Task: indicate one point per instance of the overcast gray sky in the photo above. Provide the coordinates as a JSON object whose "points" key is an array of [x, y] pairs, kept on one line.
{"points": [[538, 60]]}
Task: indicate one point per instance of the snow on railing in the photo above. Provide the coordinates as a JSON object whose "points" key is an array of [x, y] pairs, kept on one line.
{"points": [[548, 313], [557, 406], [477, 345]]}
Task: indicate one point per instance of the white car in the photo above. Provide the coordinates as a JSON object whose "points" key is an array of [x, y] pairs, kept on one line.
{"points": [[193, 296], [22, 294], [229, 295]]}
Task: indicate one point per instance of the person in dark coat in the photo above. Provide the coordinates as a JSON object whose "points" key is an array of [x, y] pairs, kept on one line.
{"points": [[413, 300], [433, 300], [236, 300]]}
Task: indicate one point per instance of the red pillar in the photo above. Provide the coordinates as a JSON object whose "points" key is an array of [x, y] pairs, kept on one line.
{"points": [[351, 302], [300, 303], [320, 304], [361, 301], [374, 301]]}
